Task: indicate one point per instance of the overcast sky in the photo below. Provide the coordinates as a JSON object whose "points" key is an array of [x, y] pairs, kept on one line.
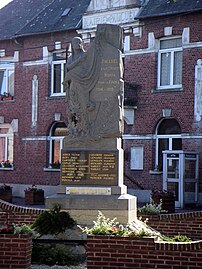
{"points": [[4, 2]]}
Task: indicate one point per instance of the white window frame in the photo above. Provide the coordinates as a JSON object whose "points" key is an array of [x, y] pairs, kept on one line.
{"points": [[170, 144], [62, 65], [136, 163], [5, 67], [172, 51], [7, 136], [52, 139]]}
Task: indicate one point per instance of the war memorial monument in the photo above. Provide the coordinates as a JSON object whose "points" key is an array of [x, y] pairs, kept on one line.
{"points": [[91, 176]]}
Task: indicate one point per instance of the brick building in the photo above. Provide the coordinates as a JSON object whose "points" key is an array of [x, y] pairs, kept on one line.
{"points": [[162, 58]]}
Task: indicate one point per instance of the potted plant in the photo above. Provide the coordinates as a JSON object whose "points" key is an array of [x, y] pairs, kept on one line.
{"points": [[55, 165], [6, 193], [18, 242], [6, 164], [165, 198], [34, 196], [7, 96]]}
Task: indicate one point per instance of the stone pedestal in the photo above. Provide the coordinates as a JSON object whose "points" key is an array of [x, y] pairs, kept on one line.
{"points": [[92, 180], [84, 208]]}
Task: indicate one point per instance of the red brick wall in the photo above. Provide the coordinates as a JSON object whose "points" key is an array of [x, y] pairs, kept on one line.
{"points": [[118, 252], [15, 251], [188, 224]]}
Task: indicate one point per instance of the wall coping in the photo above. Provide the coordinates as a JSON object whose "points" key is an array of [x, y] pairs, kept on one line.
{"points": [[8, 207]]}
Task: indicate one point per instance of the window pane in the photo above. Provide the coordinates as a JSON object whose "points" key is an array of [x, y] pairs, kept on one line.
{"points": [[190, 169], [176, 144], [177, 79], [171, 43], [174, 187], [59, 56], [10, 149], [11, 82], [56, 151], [163, 145], [2, 81], [173, 168], [2, 148], [57, 78], [170, 126], [165, 69]]}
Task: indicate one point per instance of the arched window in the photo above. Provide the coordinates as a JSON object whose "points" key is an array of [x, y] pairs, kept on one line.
{"points": [[168, 137], [6, 143], [57, 132]]}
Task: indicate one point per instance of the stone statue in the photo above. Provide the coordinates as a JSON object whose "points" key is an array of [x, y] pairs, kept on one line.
{"points": [[94, 86]]}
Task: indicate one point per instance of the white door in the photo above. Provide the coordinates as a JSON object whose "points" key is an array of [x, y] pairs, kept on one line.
{"points": [[172, 178]]}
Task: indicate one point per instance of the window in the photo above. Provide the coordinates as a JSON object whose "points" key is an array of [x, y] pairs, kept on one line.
{"points": [[6, 142], [7, 80], [58, 73], [168, 138], [170, 64], [57, 133]]}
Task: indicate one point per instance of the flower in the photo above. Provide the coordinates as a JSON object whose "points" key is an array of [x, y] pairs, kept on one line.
{"points": [[5, 187], [162, 194], [6, 230], [5, 164], [55, 165], [106, 226], [33, 188], [16, 229]]}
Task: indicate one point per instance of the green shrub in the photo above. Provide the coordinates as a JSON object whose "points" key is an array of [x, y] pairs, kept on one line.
{"points": [[51, 255], [105, 226], [23, 229], [177, 238], [150, 209], [53, 221]]}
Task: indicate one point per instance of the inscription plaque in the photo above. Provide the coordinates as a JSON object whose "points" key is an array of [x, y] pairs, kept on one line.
{"points": [[91, 167]]}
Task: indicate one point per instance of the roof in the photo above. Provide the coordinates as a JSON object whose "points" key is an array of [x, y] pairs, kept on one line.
{"points": [[28, 17], [156, 8]]}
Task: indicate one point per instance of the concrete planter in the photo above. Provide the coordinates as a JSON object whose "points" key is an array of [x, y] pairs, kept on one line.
{"points": [[168, 202], [6, 195], [34, 197], [15, 251]]}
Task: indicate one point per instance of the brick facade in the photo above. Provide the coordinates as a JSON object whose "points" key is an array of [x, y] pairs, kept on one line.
{"points": [[140, 64]]}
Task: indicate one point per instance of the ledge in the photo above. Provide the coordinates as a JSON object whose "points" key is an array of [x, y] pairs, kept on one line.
{"points": [[154, 172], [6, 169], [51, 170]]}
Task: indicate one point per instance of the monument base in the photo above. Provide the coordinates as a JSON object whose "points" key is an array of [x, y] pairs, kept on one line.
{"points": [[84, 208]]}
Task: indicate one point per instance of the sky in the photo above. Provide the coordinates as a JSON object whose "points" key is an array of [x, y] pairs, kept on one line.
{"points": [[4, 2]]}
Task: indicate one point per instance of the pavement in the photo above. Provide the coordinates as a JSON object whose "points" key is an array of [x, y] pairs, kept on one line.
{"points": [[21, 202]]}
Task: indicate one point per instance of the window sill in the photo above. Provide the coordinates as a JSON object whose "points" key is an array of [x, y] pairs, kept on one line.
{"points": [[155, 172], [7, 100], [157, 90], [53, 97], [51, 170], [6, 168]]}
